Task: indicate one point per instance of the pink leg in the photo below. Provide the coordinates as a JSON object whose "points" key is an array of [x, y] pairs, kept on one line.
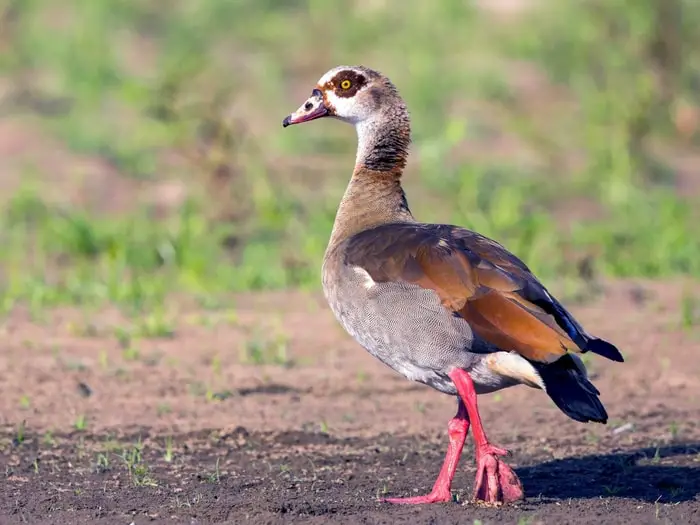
{"points": [[457, 431], [495, 481]]}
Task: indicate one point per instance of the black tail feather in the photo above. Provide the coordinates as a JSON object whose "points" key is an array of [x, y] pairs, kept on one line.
{"points": [[573, 329], [601, 347], [571, 390]]}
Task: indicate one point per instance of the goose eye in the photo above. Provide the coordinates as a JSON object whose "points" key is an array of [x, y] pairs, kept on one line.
{"points": [[345, 84]]}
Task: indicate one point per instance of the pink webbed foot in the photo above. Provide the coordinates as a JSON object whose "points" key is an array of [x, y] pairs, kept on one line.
{"points": [[439, 496], [457, 432], [496, 483]]}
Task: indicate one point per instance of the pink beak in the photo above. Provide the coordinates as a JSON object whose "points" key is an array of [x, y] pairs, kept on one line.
{"points": [[312, 109]]}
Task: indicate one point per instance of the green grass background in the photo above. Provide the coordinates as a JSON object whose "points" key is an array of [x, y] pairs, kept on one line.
{"points": [[566, 130]]}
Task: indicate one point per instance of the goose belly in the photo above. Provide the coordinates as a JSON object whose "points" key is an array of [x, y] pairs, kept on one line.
{"points": [[406, 327]]}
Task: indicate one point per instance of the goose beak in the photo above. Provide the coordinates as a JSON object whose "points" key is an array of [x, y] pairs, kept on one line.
{"points": [[313, 108]]}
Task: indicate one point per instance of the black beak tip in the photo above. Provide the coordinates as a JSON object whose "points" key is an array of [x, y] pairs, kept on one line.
{"points": [[287, 121]]}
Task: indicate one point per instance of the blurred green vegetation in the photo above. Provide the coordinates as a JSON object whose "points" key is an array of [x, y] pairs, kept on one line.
{"points": [[556, 129]]}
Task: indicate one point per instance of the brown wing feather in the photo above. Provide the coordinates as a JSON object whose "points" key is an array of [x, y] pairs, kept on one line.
{"points": [[511, 326], [474, 277]]}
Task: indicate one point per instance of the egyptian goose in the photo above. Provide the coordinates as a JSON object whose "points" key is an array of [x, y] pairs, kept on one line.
{"points": [[440, 304]]}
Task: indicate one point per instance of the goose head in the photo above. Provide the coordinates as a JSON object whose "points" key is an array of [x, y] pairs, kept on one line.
{"points": [[353, 94]]}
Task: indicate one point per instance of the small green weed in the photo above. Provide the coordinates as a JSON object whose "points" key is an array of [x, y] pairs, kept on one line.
{"points": [[131, 353], [20, 434], [215, 476], [102, 463], [137, 469], [80, 423], [168, 454], [25, 402], [690, 311], [263, 349], [48, 439]]}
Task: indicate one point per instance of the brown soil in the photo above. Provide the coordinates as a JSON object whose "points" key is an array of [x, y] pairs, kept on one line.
{"points": [[317, 440]]}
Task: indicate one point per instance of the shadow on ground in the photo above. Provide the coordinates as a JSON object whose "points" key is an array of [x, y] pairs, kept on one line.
{"points": [[645, 474]]}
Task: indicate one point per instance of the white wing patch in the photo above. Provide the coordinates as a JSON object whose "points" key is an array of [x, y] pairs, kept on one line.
{"points": [[513, 365], [367, 280]]}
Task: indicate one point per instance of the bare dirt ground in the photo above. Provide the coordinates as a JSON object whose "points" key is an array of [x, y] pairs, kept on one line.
{"points": [[181, 429]]}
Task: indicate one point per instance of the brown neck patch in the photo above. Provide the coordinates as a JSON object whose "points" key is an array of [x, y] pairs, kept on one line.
{"points": [[389, 148], [372, 198]]}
